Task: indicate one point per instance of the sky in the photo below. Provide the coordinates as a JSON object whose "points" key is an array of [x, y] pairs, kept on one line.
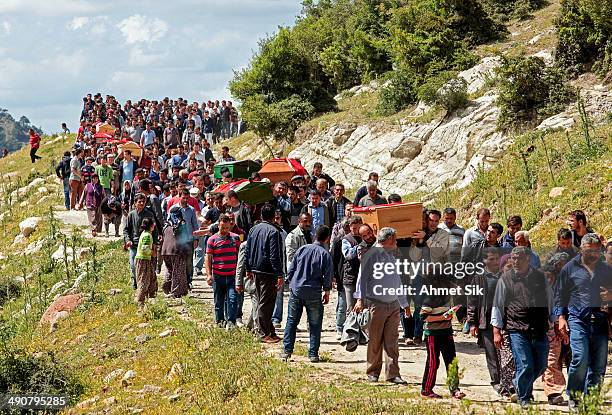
{"points": [[54, 52]]}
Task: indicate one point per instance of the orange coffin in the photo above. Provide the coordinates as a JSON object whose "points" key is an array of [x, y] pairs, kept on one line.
{"points": [[405, 218], [280, 169]]}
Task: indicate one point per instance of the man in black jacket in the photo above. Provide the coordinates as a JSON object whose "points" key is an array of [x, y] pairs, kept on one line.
{"points": [[337, 204], [263, 262], [63, 172], [241, 211], [521, 306], [132, 231]]}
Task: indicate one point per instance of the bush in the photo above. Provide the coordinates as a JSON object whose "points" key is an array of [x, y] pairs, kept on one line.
{"points": [[396, 94], [9, 288], [277, 119], [444, 91], [529, 91], [21, 372], [585, 36]]}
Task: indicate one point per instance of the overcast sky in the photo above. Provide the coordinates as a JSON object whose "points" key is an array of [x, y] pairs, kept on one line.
{"points": [[53, 52]]}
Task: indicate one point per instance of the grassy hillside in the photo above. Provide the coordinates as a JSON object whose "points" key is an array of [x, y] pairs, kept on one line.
{"points": [[198, 368]]}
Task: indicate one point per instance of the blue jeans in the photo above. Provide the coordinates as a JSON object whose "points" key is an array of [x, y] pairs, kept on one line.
{"points": [[314, 313], [239, 303], [277, 314], [66, 182], [224, 290], [198, 262], [418, 323], [340, 311], [133, 250], [589, 358], [531, 359]]}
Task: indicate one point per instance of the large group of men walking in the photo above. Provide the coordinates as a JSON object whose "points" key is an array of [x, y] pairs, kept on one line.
{"points": [[530, 313]]}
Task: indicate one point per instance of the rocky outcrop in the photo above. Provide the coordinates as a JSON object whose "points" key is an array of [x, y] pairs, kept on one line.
{"points": [[411, 157]]}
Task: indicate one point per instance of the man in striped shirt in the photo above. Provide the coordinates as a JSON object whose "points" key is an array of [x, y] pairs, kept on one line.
{"points": [[221, 262]]}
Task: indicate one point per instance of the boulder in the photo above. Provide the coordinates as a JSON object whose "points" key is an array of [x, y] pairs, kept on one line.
{"points": [[60, 308], [20, 240], [29, 225]]}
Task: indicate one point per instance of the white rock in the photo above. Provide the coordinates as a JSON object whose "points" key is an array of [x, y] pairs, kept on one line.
{"points": [[20, 240], [113, 375], [166, 333], [43, 190], [130, 374], [556, 192], [477, 76], [56, 287], [29, 225]]}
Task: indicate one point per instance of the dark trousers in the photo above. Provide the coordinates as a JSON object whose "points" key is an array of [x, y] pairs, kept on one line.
{"points": [[436, 344], [485, 339], [189, 262], [265, 287], [33, 155]]}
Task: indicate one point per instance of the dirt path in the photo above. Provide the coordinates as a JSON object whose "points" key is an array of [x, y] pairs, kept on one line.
{"points": [[475, 382]]}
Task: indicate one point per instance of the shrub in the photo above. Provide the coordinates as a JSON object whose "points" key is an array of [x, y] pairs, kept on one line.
{"points": [[444, 91], [529, 91], [396, 94], [22, 372], [585, 35], [277, 119], [9, 288]]}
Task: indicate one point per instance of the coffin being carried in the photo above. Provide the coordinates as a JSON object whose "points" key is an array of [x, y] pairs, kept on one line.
{"points": [[405, 218], [281, 169], [249, 192], [241, 169]]}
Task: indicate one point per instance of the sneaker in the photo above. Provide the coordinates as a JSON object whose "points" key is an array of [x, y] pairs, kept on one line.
{"points": [[269, 340], [277, 325], [285, 356], [239, 322], [555, 399], [275, 338], [514, 398], [409, 342], [430, 395], [314, 359], [458, 395], [397, 380], [573, 406], [229, 326], [372, 378], [338, 335]]}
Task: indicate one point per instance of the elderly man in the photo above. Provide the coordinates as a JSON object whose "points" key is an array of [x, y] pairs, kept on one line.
{"points": [[521, 306], [582, 284], [384, 304], [363, 190], [372, 198], [321, 188], [521, 238]]}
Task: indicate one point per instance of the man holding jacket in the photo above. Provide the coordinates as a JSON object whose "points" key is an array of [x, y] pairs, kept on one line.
{"points": [[263, 262]]}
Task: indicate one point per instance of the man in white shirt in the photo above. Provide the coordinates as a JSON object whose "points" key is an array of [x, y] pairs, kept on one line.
{"points": [[147, 137]]}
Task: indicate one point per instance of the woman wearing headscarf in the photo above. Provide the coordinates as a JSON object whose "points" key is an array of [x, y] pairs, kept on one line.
{"points": [[92, 197], [174, 251]]}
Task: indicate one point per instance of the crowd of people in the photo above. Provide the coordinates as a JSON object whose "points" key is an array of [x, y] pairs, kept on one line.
{"points": [[530, 314]]}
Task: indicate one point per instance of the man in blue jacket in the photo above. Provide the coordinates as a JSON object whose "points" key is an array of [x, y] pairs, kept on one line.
{"points": [[310, 281], [263, 262], [577, 302]]}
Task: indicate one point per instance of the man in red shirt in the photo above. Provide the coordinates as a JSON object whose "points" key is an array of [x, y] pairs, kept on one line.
{"points": [[192, 201], [221, 262], [34, 145]]}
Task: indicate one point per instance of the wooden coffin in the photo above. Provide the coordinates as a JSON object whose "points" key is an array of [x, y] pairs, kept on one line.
{"points": [[133, 147], [281, 169], [405, 218]]}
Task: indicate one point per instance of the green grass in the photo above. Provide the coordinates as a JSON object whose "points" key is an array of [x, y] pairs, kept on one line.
{"points": [[506, 189]]}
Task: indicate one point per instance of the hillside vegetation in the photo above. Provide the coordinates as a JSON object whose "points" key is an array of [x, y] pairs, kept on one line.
{"points": [[413, 47], [14, 133]]}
